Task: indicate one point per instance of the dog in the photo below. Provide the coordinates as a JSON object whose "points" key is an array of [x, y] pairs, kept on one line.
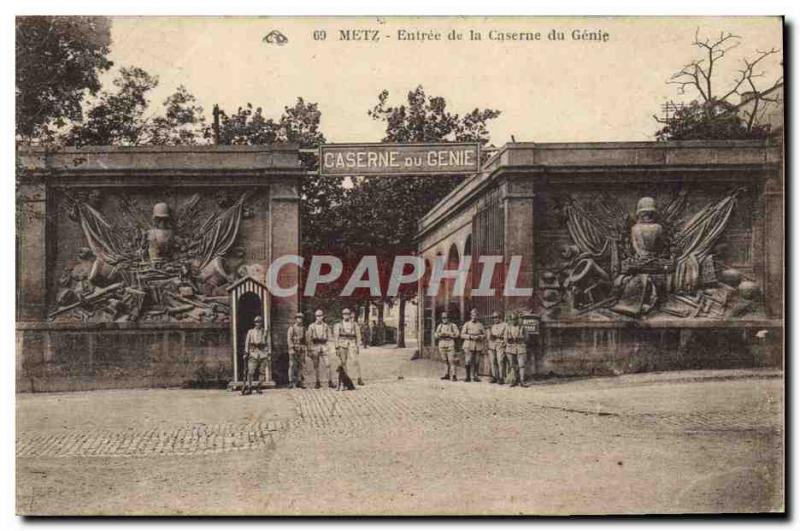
{"points": [[345, 383]]}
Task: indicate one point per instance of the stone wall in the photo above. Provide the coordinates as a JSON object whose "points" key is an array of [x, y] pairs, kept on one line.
{"points": [[75, 359], [612, 350], [124, 254]]}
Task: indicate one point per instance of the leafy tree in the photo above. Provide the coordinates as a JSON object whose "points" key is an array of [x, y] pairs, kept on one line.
{"points": [[320, 196], [710, 120], [247, 126], [120, 117], [58, 59], [383, 211], [713, 113], [182, 123]]}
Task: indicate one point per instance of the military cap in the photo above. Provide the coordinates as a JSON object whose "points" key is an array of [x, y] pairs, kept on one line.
{"points": [[161, 210], [646, 204], [298, 314], [319, 312]]}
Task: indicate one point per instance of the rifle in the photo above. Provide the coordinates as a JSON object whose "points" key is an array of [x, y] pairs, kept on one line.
{"points": [[94, 297]]}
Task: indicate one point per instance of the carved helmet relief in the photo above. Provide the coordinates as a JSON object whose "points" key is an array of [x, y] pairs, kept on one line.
{"points": [[169, 264], [658, 261]]}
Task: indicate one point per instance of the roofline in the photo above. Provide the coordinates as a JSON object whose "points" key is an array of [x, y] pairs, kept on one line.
{"points": [[183, 148]]}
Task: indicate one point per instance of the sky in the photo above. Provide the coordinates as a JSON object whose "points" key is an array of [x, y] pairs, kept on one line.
{"points": [[548, 91]]}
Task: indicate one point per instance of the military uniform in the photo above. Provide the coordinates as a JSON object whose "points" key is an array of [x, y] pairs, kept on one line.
{"points": [[296, 339], [317, 336], [517, 351], [472, 332], [256, 348], [347, 336], [497, 351], [446, 335]]}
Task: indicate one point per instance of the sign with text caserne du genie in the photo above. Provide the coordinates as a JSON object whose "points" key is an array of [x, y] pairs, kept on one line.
{"points": [[399, 159]]}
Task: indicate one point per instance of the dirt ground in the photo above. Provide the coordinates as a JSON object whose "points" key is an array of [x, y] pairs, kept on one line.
{"points": [[409, 443]]}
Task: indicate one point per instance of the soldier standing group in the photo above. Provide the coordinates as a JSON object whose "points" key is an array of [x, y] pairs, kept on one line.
{"points": [[506, 345], [505, 342], [314, 341]]}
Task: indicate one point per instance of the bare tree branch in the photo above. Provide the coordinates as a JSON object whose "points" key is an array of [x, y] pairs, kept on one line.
{"points": [[747, 74], [712, 112]]}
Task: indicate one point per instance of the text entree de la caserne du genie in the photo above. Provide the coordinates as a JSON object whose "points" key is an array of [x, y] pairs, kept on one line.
{"points": [[595, 35]]}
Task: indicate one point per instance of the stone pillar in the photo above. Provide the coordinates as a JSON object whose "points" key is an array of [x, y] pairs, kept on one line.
{"points": [[518, 197], [284, 237], [31, 252]]}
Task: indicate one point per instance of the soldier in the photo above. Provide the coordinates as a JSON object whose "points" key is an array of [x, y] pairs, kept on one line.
{"points": [[516, 350], [446, 334], [257, 355], [347, 336], [364, 334], [317, 337], [497, 349], [296, 339], [472, 333]]}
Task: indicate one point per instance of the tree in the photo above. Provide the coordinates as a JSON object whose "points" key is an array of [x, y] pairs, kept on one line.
{"points": [[120, 117], [182, 123], [717, 120], [713, 114], [391, 206], [320, 196], [58, 59]]}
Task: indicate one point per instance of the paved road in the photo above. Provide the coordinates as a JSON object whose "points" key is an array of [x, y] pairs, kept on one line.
{"points": [[692, 441]]}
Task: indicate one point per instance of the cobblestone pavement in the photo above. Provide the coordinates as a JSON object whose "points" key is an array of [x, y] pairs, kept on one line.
{"points": [[425, 401], [181, 441], [697, 441]]}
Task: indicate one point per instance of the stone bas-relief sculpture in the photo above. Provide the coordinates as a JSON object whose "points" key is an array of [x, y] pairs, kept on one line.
{"points": [[170, 266], [659, 263]]}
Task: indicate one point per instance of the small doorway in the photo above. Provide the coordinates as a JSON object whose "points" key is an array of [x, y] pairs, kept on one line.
{"points": [[249, 299]]}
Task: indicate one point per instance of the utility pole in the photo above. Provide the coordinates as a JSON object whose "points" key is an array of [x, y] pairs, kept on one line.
{"points": [[215, 127]]}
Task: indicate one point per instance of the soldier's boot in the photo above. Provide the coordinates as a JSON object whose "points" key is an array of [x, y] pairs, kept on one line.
{"points": [[522, 378], [300, 385], [455, 378], [331, 384], [360, 381], [258, 387], [475, 373], [495, 371], [317, 385], [469, 371], [516, 378], [447, 374], [503, 371]]}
